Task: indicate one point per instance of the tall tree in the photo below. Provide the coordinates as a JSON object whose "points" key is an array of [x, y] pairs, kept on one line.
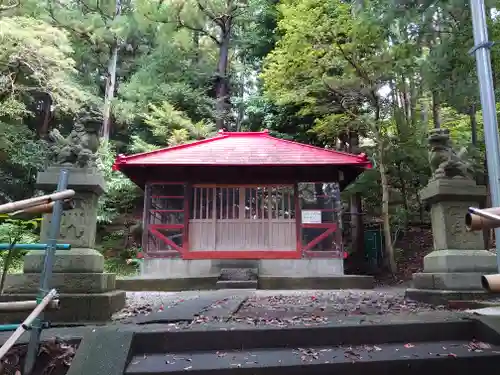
{"points": [[102, 28]]}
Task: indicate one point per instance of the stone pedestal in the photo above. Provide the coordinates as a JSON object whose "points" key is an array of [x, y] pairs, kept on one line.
{"points": [[87, 293], [454, 269]]}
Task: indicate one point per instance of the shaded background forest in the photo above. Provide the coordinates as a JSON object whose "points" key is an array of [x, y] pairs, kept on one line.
{"points": [[367, 76]]}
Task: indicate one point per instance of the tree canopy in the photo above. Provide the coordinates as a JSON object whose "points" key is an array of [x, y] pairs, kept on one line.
{"points": [[369, 76]]}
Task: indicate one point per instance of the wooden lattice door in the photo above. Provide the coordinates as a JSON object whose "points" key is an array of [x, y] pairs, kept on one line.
{"points": [[242, 218], [165, 219]]}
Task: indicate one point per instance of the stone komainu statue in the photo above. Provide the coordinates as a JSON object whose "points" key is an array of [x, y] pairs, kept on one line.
{"points": [[444, 161], [80, 147]]}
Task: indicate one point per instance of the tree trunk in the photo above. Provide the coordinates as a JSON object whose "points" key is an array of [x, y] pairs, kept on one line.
{"points": [[196, 45], [356, 208], [241, 106], [413, 101], [6, 264], [110, 83], [222, 84], [406, 101], [435, 110], [473, 124], [404, 193], [43, 129], [389, 249], [109, 93]]}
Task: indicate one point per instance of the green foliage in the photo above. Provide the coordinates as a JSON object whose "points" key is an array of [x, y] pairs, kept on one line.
{"points": [[112, 247], [121, 194], [36, 57], [20, 231], [21, 156], [172, 127], [15, 231], [35, 62], [322, 72], [165, 119]]}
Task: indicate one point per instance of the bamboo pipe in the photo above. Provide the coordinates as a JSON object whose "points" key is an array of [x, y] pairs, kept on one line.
{"points": [[14, 306], [36, 201], [27, 323], [491, 283], [44, 208], [479, 219]]}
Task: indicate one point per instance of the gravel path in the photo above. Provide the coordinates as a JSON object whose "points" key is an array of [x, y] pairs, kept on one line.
{"points": [[287, 306]]}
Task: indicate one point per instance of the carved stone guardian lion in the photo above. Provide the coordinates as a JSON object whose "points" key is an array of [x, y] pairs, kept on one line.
{"points": [[445, 162]]}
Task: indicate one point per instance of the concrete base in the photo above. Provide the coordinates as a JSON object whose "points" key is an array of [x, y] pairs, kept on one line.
{"points": [[482, 261], [176, 284], [176, 268], [173, 274], [78, 260], [301, 268], [98, 307], [179, 268], [332, 282], [237, 284], [448, 281], [265, 282], [62, 282], [452, 275], [442, 297]]}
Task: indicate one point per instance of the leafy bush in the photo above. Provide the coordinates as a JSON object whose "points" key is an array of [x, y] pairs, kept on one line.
{"points": [[121, 194], [19, 232]]}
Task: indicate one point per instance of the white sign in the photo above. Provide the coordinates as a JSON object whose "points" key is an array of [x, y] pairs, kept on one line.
{"points": [[311, 217]]}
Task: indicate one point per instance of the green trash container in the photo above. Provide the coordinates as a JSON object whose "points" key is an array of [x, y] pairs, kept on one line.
{"points": [[374, 244]]}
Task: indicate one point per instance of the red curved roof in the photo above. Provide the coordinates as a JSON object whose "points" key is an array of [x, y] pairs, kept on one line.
{"points": [[243, 149]]}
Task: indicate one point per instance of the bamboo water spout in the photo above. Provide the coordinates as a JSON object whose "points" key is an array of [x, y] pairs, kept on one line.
{"points": [[36, 201], [479, 219], [491, 283], [44, 208], [15, 306]]}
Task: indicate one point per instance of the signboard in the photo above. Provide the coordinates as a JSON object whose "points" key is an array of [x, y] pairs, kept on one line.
{"points": [[311, 217]]}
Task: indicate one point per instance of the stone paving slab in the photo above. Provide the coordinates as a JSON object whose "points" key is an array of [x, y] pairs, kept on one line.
{"points": [[213, 306], [224, 309], [267, 307]]}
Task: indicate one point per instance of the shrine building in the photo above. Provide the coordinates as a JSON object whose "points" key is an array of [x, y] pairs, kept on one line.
{"points": [[242, 197]]}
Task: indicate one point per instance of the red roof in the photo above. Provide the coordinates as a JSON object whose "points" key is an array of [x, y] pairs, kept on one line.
{"points": [[240, 149]]}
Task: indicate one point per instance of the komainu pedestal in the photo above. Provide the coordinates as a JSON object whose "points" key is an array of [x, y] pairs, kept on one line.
{"points": [[87, 292], [454, 269]]}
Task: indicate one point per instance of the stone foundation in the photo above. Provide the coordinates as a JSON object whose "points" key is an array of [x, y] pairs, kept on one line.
{"points": [[74, 307], [313, 267], [78, 260], [176, 268], [174, 274], [165, 284], [62, 282], [180, 268], [325, 282]]}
